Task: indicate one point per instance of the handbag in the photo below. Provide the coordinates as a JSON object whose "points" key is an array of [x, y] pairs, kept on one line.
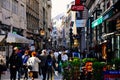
{"points": [[30, 67]]}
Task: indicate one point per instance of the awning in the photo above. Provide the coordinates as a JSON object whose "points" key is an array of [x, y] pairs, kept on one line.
{"points": [[15, 38], [2, 37]]}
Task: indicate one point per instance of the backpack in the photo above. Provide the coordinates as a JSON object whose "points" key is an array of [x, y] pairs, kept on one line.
{"points": [[76, 54], [25, 58], [49, 63]]}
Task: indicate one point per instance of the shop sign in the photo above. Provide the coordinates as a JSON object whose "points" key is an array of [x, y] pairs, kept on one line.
{"points": [[112, 75], [108, 15], [81, 23], [97, 22], [77, 6], [112, 72], [102, 18]]}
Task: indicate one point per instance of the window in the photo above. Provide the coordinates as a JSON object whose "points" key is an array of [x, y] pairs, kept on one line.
{"points": [[6, 4], [15, 6], [22, 11]]}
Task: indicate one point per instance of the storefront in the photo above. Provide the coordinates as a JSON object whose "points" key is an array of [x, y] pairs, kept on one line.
{"points": [[109, 21]]}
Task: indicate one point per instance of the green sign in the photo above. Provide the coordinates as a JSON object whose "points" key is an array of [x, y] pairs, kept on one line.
{"points": [[97, 21]]}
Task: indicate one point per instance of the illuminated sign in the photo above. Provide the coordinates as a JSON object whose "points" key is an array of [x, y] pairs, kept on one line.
{"points": [[111, 75], [77, 2], [77, 6], [97, 21]]}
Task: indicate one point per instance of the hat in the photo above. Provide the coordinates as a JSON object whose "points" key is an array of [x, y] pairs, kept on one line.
{"points": [[15, 48]]}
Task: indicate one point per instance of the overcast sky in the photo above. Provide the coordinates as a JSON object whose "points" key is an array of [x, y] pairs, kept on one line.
{"points": [[59, 6]]}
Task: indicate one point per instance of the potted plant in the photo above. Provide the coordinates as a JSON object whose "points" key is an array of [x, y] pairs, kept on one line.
{"points": [[98, 70], [71, 69], [116, 61], [76, 68], [67, 70]]}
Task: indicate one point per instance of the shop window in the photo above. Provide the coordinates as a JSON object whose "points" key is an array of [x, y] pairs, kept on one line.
{"points": [[112, 26]]}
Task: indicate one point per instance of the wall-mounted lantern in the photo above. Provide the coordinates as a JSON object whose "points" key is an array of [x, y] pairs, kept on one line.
{"points": [[42, 32]]}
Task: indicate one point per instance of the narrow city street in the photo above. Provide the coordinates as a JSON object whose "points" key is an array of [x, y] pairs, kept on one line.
{"points": [[78, 38], [6, 76]]}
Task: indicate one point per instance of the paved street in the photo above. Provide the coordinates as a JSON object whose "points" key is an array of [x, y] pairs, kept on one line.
{"points": [[6, 76]]}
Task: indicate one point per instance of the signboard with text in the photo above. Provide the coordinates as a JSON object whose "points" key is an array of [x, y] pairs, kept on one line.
{"points": [[77, 6], [112, 75], [81, 23]]}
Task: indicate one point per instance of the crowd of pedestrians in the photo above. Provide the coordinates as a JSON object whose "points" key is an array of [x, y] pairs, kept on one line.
{"points": [[29, 63]]}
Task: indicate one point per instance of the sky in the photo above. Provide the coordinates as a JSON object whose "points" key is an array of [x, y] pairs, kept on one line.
{"points": [[59, 6]]}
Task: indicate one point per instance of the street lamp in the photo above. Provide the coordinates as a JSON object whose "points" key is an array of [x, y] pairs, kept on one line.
{"points": [[42, 32]]}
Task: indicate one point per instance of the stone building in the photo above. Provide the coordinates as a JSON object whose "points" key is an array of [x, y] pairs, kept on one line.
{"points": [[12, 25], [38, 19], [13, 16]]}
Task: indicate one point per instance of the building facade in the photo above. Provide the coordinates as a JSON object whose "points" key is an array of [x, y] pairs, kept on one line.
{"points": [[103, 27], [13, 16], [38, 20], [12, 21]]}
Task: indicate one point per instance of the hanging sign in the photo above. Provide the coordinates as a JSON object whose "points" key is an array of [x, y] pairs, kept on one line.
{"points": [[77, 6]]}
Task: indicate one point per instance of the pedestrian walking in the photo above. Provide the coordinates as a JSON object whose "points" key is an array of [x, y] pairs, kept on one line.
{"points": [[51, 65], [25, 58], [59, 63], [3, 66], [43, 67], [19, 53], [33, 63], [15, 64], [64, 57]]}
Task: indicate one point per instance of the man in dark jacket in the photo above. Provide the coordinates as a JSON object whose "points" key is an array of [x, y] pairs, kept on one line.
{"points": [[15, 64], [43, 67]]}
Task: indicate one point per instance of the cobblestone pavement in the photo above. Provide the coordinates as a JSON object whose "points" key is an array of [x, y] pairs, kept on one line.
{"points": [[6, 76]]}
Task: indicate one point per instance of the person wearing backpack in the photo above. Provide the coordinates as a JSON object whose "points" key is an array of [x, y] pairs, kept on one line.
{"points": [[25, 58], [50, 65]]}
